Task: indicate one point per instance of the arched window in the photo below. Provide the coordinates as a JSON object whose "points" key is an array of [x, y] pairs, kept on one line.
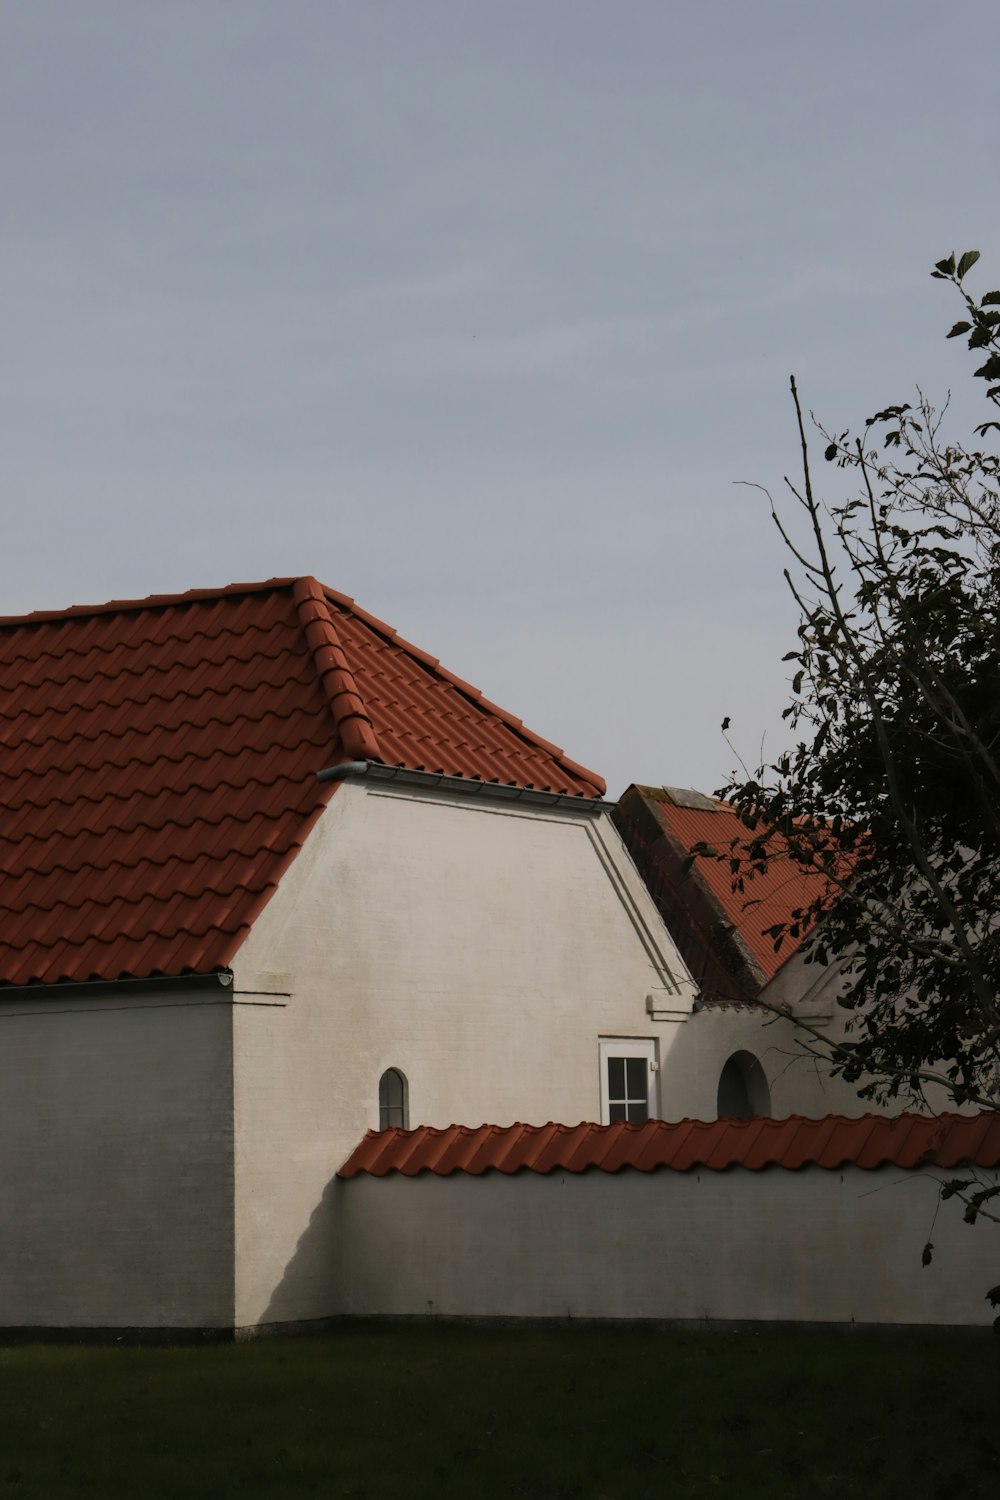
{"points": [[743, 1090], [392, 1101]]}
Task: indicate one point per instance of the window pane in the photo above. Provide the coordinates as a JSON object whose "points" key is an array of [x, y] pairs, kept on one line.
{"points": [[616, 1077], [638, 1112], [616, 1112], [391, 1100], [636, 1077]]}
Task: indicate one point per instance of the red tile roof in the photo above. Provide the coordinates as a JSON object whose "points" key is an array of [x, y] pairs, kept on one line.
{"points": [[722, 934], [767, 899], [159, 758], [832, 1142]]}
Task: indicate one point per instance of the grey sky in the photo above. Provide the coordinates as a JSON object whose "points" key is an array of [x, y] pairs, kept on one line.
{"points": [[477, 311]]}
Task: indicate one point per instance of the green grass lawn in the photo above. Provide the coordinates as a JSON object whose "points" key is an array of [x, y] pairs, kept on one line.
{"points": [[438, 1411]]}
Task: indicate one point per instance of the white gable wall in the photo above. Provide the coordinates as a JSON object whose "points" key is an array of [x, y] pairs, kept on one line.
{"points": [[480, 949]]}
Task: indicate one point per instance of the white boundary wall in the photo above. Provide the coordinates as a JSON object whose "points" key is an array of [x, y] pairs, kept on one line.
{"points": [[809, 1246]]}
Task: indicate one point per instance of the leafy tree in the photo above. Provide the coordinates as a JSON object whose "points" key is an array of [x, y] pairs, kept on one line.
{"points": [[890, 799]]}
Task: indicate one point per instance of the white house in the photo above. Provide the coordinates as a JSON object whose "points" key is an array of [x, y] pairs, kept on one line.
{"points": [[219, 970], [272, 878]]}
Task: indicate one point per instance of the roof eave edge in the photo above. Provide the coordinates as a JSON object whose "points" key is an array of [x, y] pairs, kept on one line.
{"points": [[125, 984], [463, 786]]}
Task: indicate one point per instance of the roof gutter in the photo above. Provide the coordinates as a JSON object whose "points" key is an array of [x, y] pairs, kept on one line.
{"points": [[217, 978], [462, 786]]}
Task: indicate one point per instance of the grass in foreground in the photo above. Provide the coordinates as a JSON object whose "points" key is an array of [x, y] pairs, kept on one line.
{"points": [[386, 1412]]}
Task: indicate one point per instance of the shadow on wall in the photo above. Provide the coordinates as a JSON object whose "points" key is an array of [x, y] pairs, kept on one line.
{"points": [[310, 1284], [728, 1083]]}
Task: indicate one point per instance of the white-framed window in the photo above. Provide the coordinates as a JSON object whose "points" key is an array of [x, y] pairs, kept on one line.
{"points": [[628, 1079], [393, 1101]]}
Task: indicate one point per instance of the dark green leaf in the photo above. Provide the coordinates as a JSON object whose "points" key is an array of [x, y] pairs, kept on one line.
{"points": [[959, 328], [967, 262]]}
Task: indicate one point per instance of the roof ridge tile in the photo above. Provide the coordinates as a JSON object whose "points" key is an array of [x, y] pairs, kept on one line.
{"points": [[351, 718], [828, 1142], [151, 601]]}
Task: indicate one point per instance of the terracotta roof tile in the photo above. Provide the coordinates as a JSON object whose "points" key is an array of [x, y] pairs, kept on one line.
{"points": [[832, 1142], [722, 934], [159, 757], [768, 899]]}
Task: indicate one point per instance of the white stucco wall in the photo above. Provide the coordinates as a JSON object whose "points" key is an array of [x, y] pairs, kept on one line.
{"points": [[481, 950], [116, 1161], [798, 1083], [808, 1246], [795, 1056]]}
